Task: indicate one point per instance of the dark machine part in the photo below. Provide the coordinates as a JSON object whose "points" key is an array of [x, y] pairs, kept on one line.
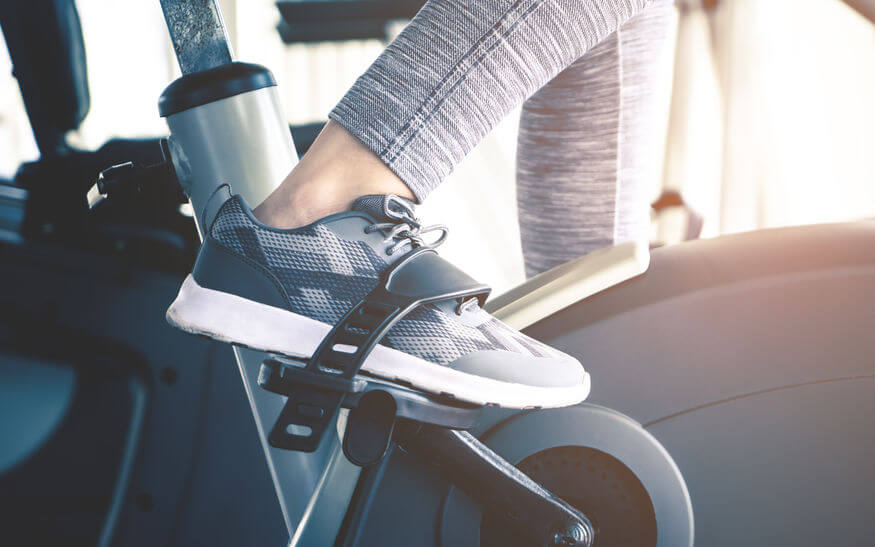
{"points": [[320, 21], [550, 444], [314, 399], [45, 44], [369, 428], [157, 437], [212, 84], [511, 499], [350, 533], [67, 488], [517, 505], [129, 180], [44, 40], [447, 516], [143, 226], [597, 484]]}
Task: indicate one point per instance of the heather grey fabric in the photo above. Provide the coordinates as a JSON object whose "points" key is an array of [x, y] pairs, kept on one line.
{"points": [[459, 67], [590, 142], [325, 270]]}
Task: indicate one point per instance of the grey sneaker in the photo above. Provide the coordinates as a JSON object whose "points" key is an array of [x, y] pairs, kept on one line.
{"points": [[281, 291]]}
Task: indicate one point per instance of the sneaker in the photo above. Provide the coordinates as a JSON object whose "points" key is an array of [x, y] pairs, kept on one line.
{"points": [[281, 291]]}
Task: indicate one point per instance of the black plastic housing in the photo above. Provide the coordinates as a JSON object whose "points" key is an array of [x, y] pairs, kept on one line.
{"points": [[211, 85]]}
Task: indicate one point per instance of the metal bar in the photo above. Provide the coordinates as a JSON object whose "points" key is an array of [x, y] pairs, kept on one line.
{"points": [[500, 488], [198, 33], [360, 504]]}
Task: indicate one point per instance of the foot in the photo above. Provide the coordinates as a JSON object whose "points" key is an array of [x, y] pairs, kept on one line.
{"points": [[282, 290]]}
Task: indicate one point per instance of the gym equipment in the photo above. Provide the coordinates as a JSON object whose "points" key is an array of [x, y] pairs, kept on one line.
{"points": [[219, 110], [750, 361], [114, 428], [752, 364]]}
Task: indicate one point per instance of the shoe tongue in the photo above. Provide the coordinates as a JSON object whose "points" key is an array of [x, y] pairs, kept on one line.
{"points": [[375, 205]]}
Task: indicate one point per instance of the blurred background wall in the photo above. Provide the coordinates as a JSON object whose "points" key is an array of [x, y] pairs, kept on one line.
{"points": [[772, 120]]}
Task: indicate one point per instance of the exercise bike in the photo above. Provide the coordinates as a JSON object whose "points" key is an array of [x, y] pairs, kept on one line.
{"points": [[749, 362], [236, 104]]}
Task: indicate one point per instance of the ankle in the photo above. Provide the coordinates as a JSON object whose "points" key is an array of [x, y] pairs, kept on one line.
{"points": [[296, 205], [336, 171]]}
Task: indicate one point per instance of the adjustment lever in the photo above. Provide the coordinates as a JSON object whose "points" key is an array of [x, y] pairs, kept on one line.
{"points": [[369, 428], [129, 179]]}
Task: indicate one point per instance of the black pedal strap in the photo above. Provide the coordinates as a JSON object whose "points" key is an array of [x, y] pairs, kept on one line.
{"points": [[417, 279]]}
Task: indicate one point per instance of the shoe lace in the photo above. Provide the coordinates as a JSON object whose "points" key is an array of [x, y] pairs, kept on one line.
{"points": [[407, 228]]}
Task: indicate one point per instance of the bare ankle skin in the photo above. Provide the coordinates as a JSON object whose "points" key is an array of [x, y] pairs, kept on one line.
{"points": [[335, 171]]}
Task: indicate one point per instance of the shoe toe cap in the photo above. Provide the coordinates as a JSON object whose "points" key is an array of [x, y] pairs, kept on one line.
{"points": [[507, 366]]}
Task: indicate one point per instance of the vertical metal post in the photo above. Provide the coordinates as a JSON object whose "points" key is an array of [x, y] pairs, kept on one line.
{"points": [[198, 32], [243, 140]]}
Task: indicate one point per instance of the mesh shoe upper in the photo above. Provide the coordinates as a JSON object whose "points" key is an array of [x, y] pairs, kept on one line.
{"points": [[324, 275]]}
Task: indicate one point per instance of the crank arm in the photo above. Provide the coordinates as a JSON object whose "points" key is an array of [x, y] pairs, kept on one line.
{"points": [[499, 487]]}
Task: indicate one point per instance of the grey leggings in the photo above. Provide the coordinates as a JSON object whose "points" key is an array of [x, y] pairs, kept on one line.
{"points": [[583, 69]]}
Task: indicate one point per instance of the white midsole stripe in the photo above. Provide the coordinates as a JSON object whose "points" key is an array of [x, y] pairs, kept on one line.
{"points": [[230, 318]]}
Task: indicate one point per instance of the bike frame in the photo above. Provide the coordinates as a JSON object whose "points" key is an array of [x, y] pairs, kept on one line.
{"points": [[244, 140]]}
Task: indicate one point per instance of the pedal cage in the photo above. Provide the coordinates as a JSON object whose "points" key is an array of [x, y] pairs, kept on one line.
{"points": [[330, 379], [314, 398]]}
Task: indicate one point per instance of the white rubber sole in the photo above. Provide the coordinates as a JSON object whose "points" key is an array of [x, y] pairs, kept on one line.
{"points": [[239, 321]]}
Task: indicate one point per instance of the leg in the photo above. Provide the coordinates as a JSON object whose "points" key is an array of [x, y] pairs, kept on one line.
{"points": [[437, 90], [587, 145]]}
